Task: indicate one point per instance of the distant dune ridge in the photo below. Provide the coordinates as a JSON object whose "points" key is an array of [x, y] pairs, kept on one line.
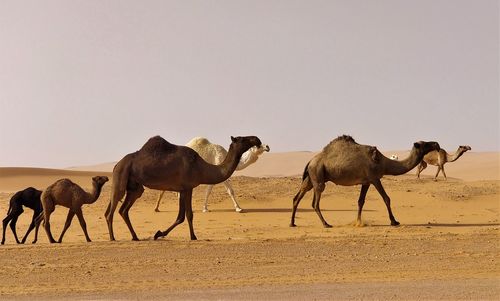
{"points": [[470, 167]]}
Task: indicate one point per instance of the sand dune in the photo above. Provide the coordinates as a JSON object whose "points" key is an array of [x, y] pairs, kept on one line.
{"points": [[17, 178]]}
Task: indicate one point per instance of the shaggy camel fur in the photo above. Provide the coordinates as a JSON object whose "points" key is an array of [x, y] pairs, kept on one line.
{"points": [[215, 154], [161, 165], [68, 194], [29, 197], [440, 158], [345, 162]]}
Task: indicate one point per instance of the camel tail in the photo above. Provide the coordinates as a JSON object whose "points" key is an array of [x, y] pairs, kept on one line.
{"points": [[306, 173]]}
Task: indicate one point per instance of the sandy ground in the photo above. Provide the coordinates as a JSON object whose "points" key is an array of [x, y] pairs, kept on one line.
{"points": [[447, 247]]}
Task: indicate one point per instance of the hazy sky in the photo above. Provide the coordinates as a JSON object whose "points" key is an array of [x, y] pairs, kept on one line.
{"points": [[85, 82]]}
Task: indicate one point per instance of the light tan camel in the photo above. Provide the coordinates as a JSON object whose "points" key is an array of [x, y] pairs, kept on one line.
{"points": [[345, 162], [215, 154], [68, 194], [164, 166], [440, 158]]}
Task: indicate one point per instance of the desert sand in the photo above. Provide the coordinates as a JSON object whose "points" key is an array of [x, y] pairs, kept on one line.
{"points": [[447, 247]]}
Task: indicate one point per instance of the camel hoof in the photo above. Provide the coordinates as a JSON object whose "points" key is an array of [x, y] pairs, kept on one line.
{"points": [[157, 210], [135, 239], [158, 235], [395, 223], [205, 210], [3, 242], [327, 225], [293, 225], [238, 209], [194, 238]]}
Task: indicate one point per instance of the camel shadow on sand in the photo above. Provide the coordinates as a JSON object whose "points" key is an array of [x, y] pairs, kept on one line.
{"points": [[281, 210], [454, 225]]}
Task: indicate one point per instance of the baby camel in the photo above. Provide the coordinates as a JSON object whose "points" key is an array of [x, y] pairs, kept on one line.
{"points": [[70, 195], [440, 158], [29, 197]]}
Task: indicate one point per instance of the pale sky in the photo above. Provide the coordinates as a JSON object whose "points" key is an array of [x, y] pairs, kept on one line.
{"points": [[86, 82]]}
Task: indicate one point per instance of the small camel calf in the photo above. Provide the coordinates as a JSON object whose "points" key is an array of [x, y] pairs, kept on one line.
{"points": [[29, 197], [68, 194]]}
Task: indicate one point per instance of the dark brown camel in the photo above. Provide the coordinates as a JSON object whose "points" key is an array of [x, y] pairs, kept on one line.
{"points": [[345, 162], [161, 165], [29, 197]]}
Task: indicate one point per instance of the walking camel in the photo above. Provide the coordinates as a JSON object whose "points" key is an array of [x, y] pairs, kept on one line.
{"points": [[215, 154], [347, 163], [162, 166], [29, 197], [440, 158], [68, 194]]}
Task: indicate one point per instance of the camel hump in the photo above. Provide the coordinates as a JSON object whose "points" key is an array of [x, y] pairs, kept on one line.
{"points": [[339, 139], [346, 138], [198, 141], [157, 144]]}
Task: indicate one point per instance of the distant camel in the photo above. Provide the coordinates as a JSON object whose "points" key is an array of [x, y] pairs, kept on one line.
{"points": [[347, 163], [29, 197], [161, 165], [215, 154], [440, 158], [68, 194]]}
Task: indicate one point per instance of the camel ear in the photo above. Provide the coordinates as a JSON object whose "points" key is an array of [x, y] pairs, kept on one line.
{"points": [[416, 145], [233, 139]]}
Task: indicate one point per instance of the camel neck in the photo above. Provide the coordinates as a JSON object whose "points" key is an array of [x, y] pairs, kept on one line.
{"points": [[455, 156], [94, 194], [214, 174], [395, 168], [248, 158]]}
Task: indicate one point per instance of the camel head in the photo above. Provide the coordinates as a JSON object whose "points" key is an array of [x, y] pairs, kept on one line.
{"points": [[422, 147], [259, 150], [100, 180], [246, 142], [464, 148]]}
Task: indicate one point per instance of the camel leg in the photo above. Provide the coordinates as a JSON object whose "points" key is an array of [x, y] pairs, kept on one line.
{"points": [[361, 202], [31, 226], [207, 194], [83, 224], [189, 212], [46, 216], [420, 168], [304, 188], [132, 196], [230, 191], [69, 218], [13, 227], [437, 173], [116, 195], [38, 220], [12, 218], [317, 197], [444, 174], [387, 201], [157, 208], [179, 220]]}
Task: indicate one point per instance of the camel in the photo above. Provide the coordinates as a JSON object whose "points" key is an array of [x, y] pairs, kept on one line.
{"points": [[68, 194], [163, 166], [29, 197], [347, 163], [440, 158], [215, 154]]}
